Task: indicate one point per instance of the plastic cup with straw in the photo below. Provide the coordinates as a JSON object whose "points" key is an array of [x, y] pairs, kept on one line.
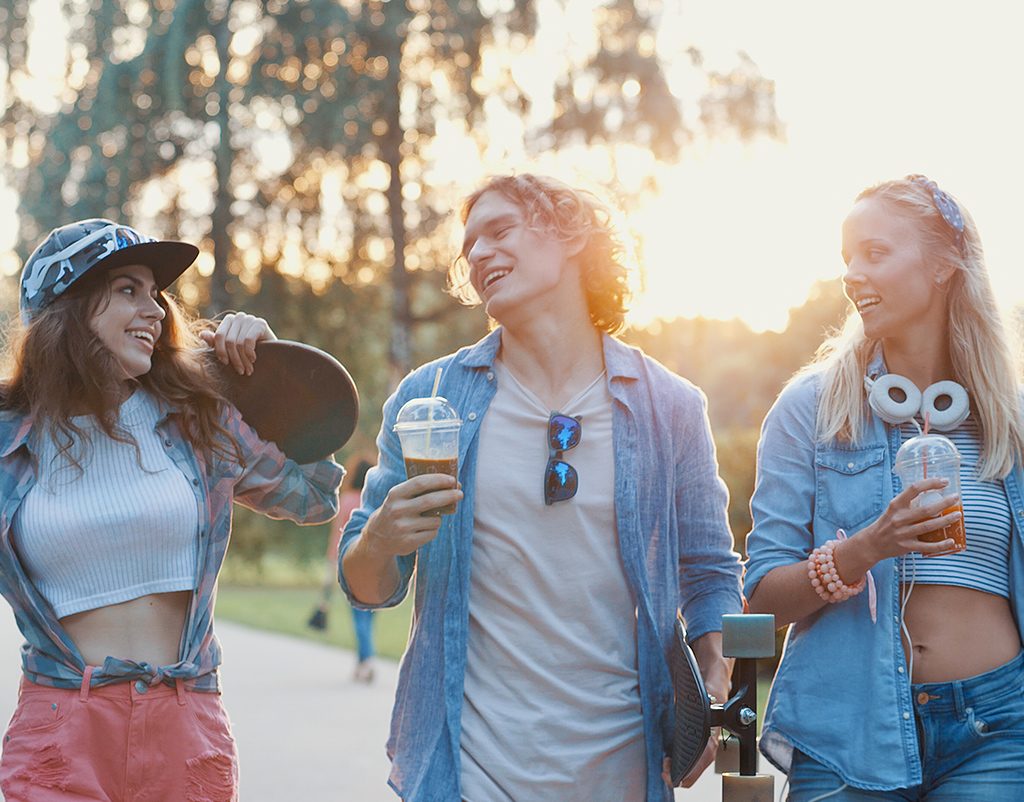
{"points": [[932, 456], [428, 429]]}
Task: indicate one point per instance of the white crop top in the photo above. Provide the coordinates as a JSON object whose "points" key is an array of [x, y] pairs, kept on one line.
{"points": [[115, 530]]}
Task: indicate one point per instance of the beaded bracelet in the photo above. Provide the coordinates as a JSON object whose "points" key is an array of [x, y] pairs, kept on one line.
{"points": [[824, 576], [825, 579]]}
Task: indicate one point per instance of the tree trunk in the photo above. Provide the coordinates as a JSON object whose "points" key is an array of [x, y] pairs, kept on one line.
{"points": [[399, 352], [220, 282]]}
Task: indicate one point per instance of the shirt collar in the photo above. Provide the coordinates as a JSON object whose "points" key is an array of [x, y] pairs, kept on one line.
{"points": [[620, 360], [876, 364], [15, 428]]}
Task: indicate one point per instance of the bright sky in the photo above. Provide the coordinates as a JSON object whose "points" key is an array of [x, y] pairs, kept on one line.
{"points": [[866, 91]]}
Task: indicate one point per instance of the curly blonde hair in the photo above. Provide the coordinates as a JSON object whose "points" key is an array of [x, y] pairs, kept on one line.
{"points": [[567, 214]]}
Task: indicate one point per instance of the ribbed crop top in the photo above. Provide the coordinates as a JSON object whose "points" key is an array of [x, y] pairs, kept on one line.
{"points": [[984, 564], [124, 526]]}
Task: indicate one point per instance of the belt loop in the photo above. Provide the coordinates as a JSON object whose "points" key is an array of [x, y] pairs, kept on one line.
{"points": [[86, 682], [179, 686], [958, 700]]}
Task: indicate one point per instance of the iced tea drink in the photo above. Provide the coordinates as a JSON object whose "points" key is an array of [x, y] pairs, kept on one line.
{"points": [[419, 467], [932, 456], [428, 429], [955, 531]]}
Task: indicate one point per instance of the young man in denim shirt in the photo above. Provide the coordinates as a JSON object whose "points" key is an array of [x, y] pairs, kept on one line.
{"points": [[589, 511]]}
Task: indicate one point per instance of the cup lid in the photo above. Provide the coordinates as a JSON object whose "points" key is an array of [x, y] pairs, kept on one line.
{"points": [[419, 413], [931, 448]]}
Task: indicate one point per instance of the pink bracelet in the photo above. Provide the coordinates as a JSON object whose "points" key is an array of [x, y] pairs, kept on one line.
{"points": [[825, 579]]}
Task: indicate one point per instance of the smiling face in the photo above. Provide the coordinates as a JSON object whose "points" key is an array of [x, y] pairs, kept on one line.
{"points": [[128, 318], [895, 288], [513, 267]]}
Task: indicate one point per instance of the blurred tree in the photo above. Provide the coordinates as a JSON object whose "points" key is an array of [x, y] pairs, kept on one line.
{"points": [[295, 135]]}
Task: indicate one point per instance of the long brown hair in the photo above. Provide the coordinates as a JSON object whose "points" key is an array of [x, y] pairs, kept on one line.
{"points": [[62, 369]]}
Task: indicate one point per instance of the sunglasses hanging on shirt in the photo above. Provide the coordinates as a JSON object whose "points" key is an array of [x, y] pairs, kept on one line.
{"points": [[560, 479], [896, 399]]}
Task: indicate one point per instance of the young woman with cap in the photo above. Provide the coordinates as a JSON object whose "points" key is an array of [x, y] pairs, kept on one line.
{"points": [[119, 463], [902, 673]]}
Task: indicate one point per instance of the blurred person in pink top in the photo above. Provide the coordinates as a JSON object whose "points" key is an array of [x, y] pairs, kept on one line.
{"points": [[362, 620]]}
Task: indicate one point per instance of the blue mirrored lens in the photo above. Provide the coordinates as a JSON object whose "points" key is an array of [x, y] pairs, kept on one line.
{"points": [[560, 481], [563, 432]]}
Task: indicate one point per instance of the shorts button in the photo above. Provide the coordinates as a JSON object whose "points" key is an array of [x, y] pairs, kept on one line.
{"points": [[922, 698], [141, 686]]}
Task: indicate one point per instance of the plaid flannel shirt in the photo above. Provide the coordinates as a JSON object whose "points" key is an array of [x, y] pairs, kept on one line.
{"points": [[270, 483]]}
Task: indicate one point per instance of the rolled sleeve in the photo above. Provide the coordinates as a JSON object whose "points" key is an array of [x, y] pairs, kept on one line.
{"points": [[388, 472], [278, 487], [709, 568], [782, 505]]}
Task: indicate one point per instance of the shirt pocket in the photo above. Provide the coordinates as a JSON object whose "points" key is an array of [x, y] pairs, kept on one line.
{"points": [[850, 485]]}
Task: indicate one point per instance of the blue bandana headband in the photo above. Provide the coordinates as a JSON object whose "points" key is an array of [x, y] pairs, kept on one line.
{"points": [[947, 208]]}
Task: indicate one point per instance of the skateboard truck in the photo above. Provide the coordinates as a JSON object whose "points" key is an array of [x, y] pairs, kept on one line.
{"points": [[745, 637]]}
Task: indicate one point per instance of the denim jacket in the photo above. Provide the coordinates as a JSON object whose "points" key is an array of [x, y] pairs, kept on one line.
{"points": [[842, 691], [270, 483], [670, 508]]}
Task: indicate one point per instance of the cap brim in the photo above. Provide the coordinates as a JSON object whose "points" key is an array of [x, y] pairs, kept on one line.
{"points": [[167, 260]]}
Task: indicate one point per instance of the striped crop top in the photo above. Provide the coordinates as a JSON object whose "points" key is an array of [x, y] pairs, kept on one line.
{"points": [[983, 565]]}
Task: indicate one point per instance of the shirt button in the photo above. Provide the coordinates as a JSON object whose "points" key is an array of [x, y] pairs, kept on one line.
{"points": [[906, 716], [900, 669], [141, 686], [471, 416], [849, 465], [167, 442], [490, 376], [195, 482]]}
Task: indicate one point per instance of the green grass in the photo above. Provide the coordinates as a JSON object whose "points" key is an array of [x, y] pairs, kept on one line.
{"points": [[287, 609]]}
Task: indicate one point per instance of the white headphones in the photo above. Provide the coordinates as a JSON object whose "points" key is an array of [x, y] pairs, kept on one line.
{"points": [[896, 399]]}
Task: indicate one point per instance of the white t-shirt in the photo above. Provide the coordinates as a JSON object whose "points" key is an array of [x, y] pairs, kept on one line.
{"points": [[551, 702]]}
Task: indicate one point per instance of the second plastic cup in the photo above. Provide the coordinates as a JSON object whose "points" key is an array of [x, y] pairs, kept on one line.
{"points": [[428, 429], [932, 456]]}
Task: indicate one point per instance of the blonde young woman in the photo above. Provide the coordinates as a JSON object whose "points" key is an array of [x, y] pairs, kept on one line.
{"points": [[119, 463], [902, 680]]}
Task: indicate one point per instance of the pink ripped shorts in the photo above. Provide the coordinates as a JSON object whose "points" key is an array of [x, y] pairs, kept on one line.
{"points": [[129, 742]]}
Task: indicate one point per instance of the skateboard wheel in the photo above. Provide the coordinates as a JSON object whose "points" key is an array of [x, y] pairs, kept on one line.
{"points": [[739, 788], [748, 635]]}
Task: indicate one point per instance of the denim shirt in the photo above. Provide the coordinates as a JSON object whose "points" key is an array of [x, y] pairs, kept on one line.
{"points": [[269, 483], [670, 509], [842, 691]]}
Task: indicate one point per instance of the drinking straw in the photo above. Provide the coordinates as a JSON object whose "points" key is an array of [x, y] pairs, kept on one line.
{"points": [[924, 451], [430, 409]]}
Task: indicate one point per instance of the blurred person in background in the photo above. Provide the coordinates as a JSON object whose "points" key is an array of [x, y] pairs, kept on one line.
{"points": [[902, 676], [589, 511], [362, 620], [119, 462]]}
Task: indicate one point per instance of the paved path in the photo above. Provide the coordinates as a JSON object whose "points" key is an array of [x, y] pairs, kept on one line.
{"points": [[317, 738]]}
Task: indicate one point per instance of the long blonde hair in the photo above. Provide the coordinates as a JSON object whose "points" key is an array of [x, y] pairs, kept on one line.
{"points": [[978, 346]]}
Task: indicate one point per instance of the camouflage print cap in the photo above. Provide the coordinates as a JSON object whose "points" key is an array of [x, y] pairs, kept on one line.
{"points": [[70, 252]]}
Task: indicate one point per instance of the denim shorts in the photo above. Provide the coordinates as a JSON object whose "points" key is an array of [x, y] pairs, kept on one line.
{"points": [[971, 737]]}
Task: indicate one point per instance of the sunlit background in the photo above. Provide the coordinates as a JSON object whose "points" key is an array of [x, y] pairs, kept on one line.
{"points": [[741, 229]]}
